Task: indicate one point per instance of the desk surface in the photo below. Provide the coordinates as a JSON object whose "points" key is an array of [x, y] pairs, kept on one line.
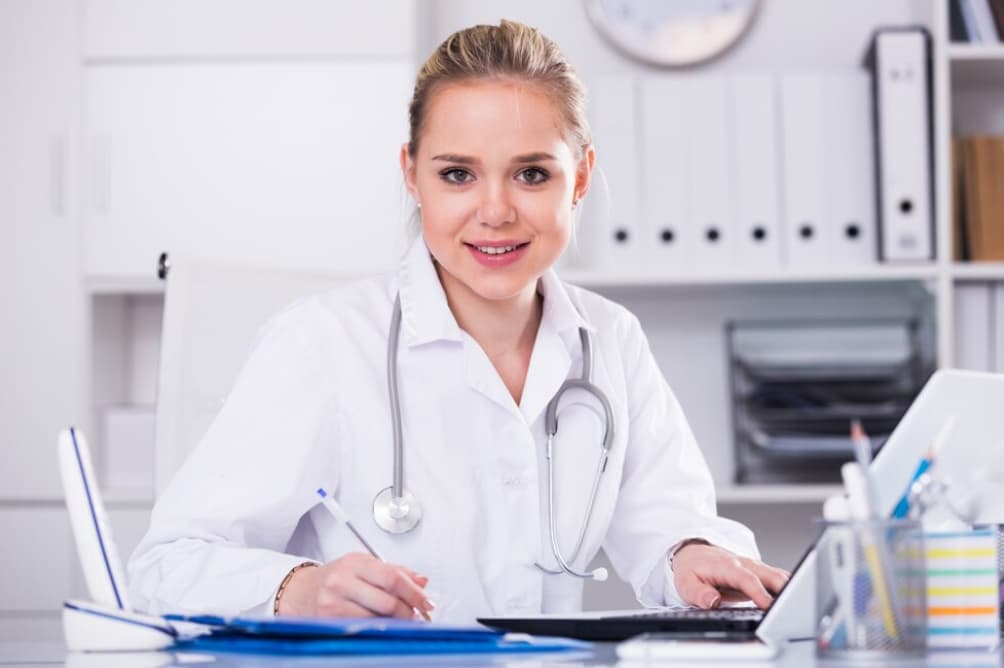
{"points": [[795, 655]]}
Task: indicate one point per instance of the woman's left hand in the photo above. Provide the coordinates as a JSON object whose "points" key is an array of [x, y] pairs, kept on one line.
{"points": [[706, 575]]}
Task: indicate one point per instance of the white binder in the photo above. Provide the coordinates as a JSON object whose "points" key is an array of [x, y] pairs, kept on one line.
{"points": [[899, 60], [667, 236], [756, 242], [849, 170], [709, 133], [803, 132], [609, 236], [973, 343], [997, 331]]}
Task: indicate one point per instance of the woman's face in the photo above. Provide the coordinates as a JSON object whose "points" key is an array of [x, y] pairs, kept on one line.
{"points": [[495, 178]]}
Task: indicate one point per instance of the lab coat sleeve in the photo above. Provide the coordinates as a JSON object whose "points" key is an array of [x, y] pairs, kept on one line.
{"points": [[218, 533], [666, 493]]}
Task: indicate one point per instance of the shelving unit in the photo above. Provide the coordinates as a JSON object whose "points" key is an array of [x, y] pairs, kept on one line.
{"points": [[864, 274]]}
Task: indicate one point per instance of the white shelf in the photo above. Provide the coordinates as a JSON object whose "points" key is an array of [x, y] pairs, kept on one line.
{"points": [[641, 278], [123, 285], [781, 493], [976, 64], [978, 271]]}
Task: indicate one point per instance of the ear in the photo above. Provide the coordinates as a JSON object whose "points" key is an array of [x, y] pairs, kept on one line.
{"points": [[584, 172], [408, 171]]}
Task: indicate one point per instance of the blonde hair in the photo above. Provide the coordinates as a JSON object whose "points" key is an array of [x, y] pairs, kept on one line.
{"points": [[512, 51]]}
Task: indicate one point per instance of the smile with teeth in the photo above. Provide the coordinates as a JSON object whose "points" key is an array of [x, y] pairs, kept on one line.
{"points": [[498, 250]]}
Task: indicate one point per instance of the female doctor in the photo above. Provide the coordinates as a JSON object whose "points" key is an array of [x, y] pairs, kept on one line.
{"points": [[487, 427]]}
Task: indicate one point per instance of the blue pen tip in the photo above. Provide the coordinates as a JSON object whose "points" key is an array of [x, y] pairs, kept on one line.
{"points": [[321, 493]]}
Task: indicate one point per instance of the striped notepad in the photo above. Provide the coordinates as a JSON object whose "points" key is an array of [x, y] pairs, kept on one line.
{"points": [[963, 595]]}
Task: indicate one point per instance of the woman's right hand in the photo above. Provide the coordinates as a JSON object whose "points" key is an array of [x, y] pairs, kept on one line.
{"points": [[356, 585]]}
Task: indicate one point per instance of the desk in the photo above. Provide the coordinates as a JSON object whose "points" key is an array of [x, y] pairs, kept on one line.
{"points": [[796, 655]]}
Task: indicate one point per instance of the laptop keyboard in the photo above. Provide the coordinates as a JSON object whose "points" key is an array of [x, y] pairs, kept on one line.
{"points": [[734, 614]]}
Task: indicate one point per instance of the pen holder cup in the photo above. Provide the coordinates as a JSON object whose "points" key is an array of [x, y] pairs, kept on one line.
{"points": [[871, 589]]}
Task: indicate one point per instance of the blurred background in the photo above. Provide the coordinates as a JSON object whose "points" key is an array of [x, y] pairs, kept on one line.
{"points": [[805, 233]]}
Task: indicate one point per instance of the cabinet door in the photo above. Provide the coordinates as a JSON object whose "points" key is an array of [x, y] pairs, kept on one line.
{"points": [[37, 557], [279, 164], [43, 336], [129, 29]]}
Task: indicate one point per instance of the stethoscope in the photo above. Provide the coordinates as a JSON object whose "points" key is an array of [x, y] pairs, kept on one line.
{"points": [[396, 510]]}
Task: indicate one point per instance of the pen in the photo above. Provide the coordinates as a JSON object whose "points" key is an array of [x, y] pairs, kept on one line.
{"points": [[339, 514], [856, 483], [863, 455], [902, 508]]}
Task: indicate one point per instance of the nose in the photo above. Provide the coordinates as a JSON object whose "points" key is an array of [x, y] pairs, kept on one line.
{"points": [[495, 208]]}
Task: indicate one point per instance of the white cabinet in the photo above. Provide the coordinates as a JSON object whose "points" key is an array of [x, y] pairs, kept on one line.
{"points": [[37, 557], [44, 331], [283, 164], [130, 29]]}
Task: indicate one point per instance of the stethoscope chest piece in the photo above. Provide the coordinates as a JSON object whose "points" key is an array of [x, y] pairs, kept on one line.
{"points": [[396, 515]]}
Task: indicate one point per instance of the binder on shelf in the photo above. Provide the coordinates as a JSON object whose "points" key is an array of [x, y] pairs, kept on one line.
{"points": [[610, 233], [983, 21], [899, 60], [802, 140], [667, 233], [958, 23], [997, 333], [708, 132], [973, 344], [983, 197], [848, 223], [997, 9], [753, 112], [960, 240]]}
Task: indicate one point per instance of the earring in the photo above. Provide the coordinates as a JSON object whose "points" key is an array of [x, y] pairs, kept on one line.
{"points": [[575, 203], [419, 205]]}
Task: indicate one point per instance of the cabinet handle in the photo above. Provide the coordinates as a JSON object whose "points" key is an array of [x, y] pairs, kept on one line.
{"points": [[57, 175]]}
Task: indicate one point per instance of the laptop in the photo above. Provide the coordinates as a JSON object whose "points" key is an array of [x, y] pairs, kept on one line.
{"points": [[973, 398]]}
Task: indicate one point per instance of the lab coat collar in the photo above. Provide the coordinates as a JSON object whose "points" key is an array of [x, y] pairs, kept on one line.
{"points": [[563, 316], [425, 313]]}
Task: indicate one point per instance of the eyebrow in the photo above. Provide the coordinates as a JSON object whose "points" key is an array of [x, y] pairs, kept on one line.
{"points": [[539, 156]]}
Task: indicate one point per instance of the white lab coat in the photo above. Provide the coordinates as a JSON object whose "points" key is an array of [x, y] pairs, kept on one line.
{"points": [[310, 409]]}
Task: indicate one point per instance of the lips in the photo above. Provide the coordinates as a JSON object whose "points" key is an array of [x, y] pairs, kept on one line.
{"points": [[497, 254]]}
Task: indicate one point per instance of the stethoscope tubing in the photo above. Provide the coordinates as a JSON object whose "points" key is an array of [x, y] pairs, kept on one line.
{"points": [[411, 510]]}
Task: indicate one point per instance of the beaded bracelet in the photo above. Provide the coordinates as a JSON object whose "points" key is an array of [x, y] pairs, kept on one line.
{"points": [[285, 581]]}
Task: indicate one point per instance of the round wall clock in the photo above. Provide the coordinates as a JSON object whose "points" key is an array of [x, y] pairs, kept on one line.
{"points": [[672, 33]]}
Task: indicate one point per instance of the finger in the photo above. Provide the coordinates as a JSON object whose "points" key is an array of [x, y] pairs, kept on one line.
{"points": [[378, 602], [742, 579], [696, 592], [394, 581], [420, 580], [772, 578]]}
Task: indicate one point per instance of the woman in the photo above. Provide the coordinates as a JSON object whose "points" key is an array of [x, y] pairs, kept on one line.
{"points": [[499, 157]]}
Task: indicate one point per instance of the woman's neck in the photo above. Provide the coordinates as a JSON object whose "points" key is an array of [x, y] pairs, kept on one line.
{"points": [[505, 329]]}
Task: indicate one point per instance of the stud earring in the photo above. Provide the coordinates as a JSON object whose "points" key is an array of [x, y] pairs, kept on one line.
{"points": [[419, 204]]}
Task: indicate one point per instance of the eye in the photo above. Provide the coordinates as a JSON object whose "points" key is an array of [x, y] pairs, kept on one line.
{"points": [[533, 176], [456, 175]]}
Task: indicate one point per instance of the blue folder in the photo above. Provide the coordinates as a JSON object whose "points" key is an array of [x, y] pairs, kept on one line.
{"points": [[294, 636]]}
